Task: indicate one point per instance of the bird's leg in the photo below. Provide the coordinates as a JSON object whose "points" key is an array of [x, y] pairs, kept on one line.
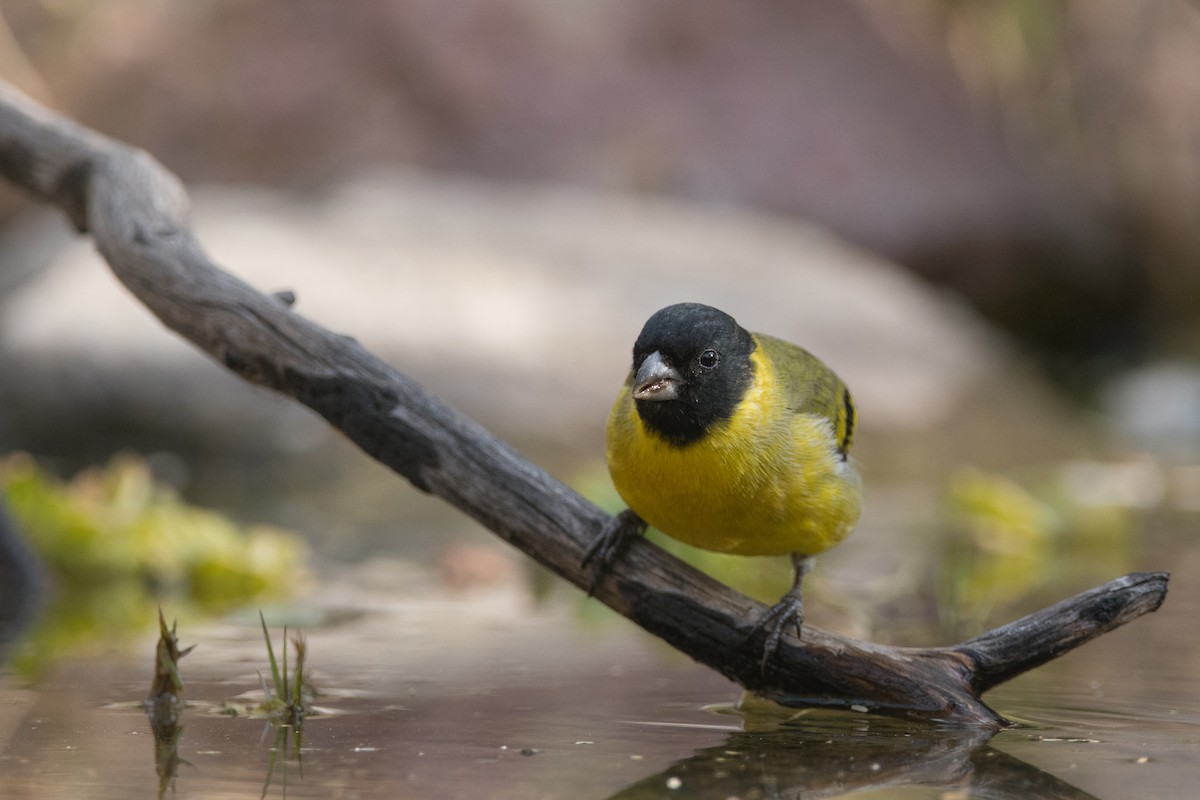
{"points": [[609, 543], [788, 611]]}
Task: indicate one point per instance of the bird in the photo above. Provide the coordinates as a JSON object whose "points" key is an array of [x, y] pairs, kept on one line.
{"points": [[731, 441]]}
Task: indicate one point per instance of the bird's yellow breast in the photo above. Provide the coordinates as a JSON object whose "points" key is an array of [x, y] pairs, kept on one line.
{"points": [[767, 481]]}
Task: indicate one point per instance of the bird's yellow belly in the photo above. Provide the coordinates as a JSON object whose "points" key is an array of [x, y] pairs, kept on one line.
{"points": [[736, 491]]}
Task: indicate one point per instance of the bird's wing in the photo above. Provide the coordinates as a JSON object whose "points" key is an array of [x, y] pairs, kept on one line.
{"points": [[812, 387]]}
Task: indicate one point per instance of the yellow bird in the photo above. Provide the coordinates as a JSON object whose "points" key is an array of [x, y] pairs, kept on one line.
{"points": [[735, 442]]}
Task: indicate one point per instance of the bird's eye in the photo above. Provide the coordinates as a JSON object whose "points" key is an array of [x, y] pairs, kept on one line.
{"points": [[708, 359]]}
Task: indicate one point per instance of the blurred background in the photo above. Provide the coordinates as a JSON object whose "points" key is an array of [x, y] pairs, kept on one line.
{"points": [[982, 215], [1037, 158]]}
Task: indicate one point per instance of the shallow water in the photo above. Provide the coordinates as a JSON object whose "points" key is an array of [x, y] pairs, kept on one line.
{"points": [[438, 694]]}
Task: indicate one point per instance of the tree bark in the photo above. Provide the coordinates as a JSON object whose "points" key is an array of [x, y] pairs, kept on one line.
{"points": [[134, 210]]}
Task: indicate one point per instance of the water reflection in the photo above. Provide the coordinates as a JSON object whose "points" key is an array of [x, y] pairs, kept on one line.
{"points": [[821, 755], [287, 747], [526, 734], [837, 756], [167, 734]]}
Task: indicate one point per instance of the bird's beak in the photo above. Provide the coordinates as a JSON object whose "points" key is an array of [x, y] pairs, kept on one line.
{"points": [[656, 379]]}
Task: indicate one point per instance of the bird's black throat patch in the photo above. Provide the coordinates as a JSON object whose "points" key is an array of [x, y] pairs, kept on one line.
{"points": [[684, 334]]}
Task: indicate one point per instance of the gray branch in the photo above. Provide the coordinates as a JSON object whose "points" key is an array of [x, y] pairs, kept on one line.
{"points": [[134, 209]]}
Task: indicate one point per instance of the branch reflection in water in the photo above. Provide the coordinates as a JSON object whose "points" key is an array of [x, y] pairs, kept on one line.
{"points": [[831, 754]]}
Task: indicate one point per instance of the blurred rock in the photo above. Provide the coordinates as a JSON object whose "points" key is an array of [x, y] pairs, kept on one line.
{"points": [[1157, 408]]}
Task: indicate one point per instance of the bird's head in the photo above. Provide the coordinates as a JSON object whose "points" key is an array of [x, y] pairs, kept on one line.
{"points": [[691, 368]]}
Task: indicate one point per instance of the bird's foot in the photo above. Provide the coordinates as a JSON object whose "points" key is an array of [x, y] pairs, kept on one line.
{"points": [[609, 543], [788, 612]]}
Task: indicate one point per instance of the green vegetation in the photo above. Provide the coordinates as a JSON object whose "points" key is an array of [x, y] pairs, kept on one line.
{"points": [[167, 681], [1006, 545], [165, 703], [117, 543], [288, 699], [286, 703]]}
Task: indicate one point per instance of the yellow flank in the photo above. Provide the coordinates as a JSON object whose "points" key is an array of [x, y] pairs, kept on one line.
{"points": [[768, 481]]}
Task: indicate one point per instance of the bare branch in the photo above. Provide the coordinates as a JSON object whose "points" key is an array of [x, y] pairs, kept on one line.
{"points": [[1008, 651]]}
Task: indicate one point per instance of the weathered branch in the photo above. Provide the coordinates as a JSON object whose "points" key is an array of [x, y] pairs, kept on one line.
{"points": [[1006, 652], [134, 210]]}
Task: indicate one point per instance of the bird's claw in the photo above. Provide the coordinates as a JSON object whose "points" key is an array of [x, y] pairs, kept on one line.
{"points": [[787, 612], [609, 543]]}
